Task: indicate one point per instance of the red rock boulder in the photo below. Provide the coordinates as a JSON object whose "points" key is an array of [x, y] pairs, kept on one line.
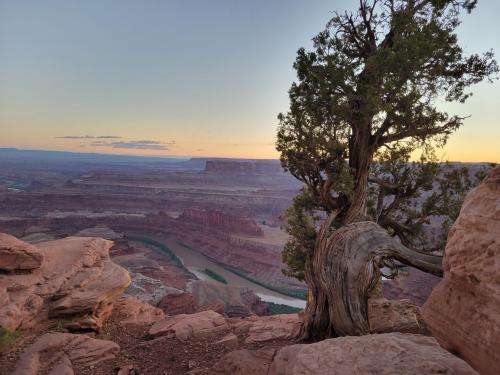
{"points": [[463, 311]]}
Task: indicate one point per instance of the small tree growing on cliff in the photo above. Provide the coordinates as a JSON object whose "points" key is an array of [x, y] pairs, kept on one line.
{"points": [[367, 93]]}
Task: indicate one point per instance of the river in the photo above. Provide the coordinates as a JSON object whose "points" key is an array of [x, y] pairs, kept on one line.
{"points": [[195, 262]]}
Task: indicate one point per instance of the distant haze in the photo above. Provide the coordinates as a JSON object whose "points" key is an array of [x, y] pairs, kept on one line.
{"points": [[183, 78]]}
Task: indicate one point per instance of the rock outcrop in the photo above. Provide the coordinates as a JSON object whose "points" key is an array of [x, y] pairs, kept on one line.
{"points": [[76, 282], [463, 310], [181, 303], [59, 353], [16, 255], [184, 327], [243, 167], [388, 354], [267, 328], [136, 312], [221, 221]]}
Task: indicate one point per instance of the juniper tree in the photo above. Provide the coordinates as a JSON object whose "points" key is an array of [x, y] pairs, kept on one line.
{"points": [[364, 102]]}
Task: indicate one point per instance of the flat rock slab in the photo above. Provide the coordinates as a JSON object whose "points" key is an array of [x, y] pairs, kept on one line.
{"points": [[58, 353], [245, 362], [186, 326], [387, 354], [268, 328]]}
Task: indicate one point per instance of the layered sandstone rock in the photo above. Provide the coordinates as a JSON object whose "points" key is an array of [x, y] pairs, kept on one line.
{"points": [[16, 255], [221, 221], [388, 354], [136, 312], [59, 353], [181, 303], [76, 282], [463, 310], [243, 167], [184, 327]]}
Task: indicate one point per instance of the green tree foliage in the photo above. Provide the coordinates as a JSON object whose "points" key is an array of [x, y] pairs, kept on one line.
{"points": [[363, 104]]}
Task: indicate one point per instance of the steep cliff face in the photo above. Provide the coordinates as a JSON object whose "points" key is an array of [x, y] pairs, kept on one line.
{"points": [[243, 167], [463, 310], [221, 221]]}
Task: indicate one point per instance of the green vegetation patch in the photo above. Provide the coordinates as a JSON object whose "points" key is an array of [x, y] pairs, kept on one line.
{"points": [[7, 338], [214, 275], [278, 308], [159, 245]]}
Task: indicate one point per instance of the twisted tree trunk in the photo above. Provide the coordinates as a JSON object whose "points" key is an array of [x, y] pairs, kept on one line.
{"points": [[343, 270]]}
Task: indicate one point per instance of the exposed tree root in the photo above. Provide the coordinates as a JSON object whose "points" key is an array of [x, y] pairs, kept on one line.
{"points": [[342, 272]]}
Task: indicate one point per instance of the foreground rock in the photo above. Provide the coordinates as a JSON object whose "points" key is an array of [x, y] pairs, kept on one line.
{"points": [[59, 353], [184, 327], [268, 328], [387, 316], [76, 282], [392, 353], [16, 255], [245, 362], [463, 310], [136, 312]]}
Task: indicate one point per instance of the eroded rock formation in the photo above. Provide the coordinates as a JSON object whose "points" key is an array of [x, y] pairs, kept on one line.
{"points": [[463, 311], [18, 256], [76, 282], [243, 167], [221, 221], [184, 327], [137, 312]]}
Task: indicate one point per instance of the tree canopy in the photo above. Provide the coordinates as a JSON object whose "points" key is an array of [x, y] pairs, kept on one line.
{"points": [[363, 104]]}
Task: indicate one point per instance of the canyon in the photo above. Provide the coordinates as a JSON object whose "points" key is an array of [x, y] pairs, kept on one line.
{"points": [[67, 308], [102, 271]]}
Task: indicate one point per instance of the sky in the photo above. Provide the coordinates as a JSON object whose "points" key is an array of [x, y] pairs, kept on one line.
{"points": [[184, 77]]}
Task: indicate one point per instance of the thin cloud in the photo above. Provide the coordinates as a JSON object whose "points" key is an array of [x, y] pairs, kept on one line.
{"points": [[89, 137], [136, 145]]}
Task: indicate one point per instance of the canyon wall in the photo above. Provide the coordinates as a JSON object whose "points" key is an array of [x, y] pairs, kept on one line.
{"points": [[221, 221], [243, 167]]}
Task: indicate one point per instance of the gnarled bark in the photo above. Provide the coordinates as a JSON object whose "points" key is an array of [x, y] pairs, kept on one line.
{"points": [[343, 270]]}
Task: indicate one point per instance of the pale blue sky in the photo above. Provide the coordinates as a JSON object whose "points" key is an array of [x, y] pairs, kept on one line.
{"points": [[209, 75]]}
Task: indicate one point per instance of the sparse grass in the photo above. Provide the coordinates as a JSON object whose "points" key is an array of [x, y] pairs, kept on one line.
{"points": [[214, 275], [278, 308], [7, 338]]}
